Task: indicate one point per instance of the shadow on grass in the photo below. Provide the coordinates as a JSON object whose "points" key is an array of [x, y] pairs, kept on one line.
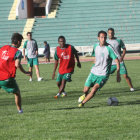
{"points": [[116, 91], [36, 99], [97, 106], [129, 103], [27, 100], [72, 95], [72, 108]]}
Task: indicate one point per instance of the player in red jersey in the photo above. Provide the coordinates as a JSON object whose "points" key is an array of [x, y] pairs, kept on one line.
{"points": [[66, 54], [10, 58]]}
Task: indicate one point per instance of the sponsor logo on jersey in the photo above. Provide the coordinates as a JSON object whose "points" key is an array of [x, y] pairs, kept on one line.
{"points": [[5, 55], [64, 56]]}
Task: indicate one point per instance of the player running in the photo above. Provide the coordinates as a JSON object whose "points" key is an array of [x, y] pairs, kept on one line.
{"points": [[117, 45], [10, 58], [99, 74], [67, 54]]}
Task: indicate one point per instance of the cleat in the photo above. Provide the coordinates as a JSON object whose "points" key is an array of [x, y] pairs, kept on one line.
{"points": [[20, 111], [64, 94], [81, 98], [39, 79], [81, 105], [30, 80], [57, 95], [132, 89]]}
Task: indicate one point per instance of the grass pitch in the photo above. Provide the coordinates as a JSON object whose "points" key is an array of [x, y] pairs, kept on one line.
{"points": [[46, 118]]}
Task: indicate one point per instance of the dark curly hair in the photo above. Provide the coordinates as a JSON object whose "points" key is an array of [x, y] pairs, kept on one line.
{"points": [[16, 37]]}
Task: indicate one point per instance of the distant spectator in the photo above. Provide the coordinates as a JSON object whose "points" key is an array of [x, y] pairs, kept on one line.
{"points": [[47, 51]]}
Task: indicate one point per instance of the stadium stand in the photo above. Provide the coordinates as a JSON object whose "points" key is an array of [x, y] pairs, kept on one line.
{"points": [[12, 15], [7, 27], [80, 20], [53, 10]]}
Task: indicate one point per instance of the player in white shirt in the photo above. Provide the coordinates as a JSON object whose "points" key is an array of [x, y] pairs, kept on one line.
{"points": [[117, 45], [104, 54]]}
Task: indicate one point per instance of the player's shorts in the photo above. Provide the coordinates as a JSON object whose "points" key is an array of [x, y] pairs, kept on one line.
{"points": [[66, 76], [9, 85], [122, 69], [32, 61], [94, 79]]}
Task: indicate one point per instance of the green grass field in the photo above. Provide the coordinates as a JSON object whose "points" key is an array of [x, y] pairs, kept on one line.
{"points": [[46, 118]]}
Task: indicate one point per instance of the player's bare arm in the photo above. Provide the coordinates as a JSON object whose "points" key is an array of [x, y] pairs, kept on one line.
{"points": [[78, 61], [37, 52], [19, 66], [123, 54]]}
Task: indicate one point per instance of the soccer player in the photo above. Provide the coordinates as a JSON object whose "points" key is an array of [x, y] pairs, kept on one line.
{"points": [[99, 74], [32, 55], [10, 58], [117, 45], [66, 53]]}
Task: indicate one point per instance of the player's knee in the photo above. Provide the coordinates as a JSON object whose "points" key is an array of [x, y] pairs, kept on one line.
{"points": [[58, 84], [86, 89], [17, 93], [125, 76]]}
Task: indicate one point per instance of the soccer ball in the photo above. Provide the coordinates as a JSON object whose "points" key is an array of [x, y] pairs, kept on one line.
{"points": [[112, 101]]}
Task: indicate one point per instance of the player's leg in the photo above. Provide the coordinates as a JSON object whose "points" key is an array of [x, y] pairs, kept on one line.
{"points": [[91, 93], [11, 86], [87, 86], [37, 71], [30, 64], [31, 70], [123, 71], [66, 78], [58, 80], [97, 82], [86, 91], [128, 80], [59, 84], [62, 86], [18, 101], [36, 65], [16, 92]]}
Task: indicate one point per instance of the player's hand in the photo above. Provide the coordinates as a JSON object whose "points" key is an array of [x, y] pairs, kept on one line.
{"points": [[53, 76], [118, 77], [78, 64]]}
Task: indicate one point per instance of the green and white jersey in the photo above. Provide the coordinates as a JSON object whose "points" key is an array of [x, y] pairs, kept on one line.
{"points": [[117, 45], [31, 46], [103, 59]]}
